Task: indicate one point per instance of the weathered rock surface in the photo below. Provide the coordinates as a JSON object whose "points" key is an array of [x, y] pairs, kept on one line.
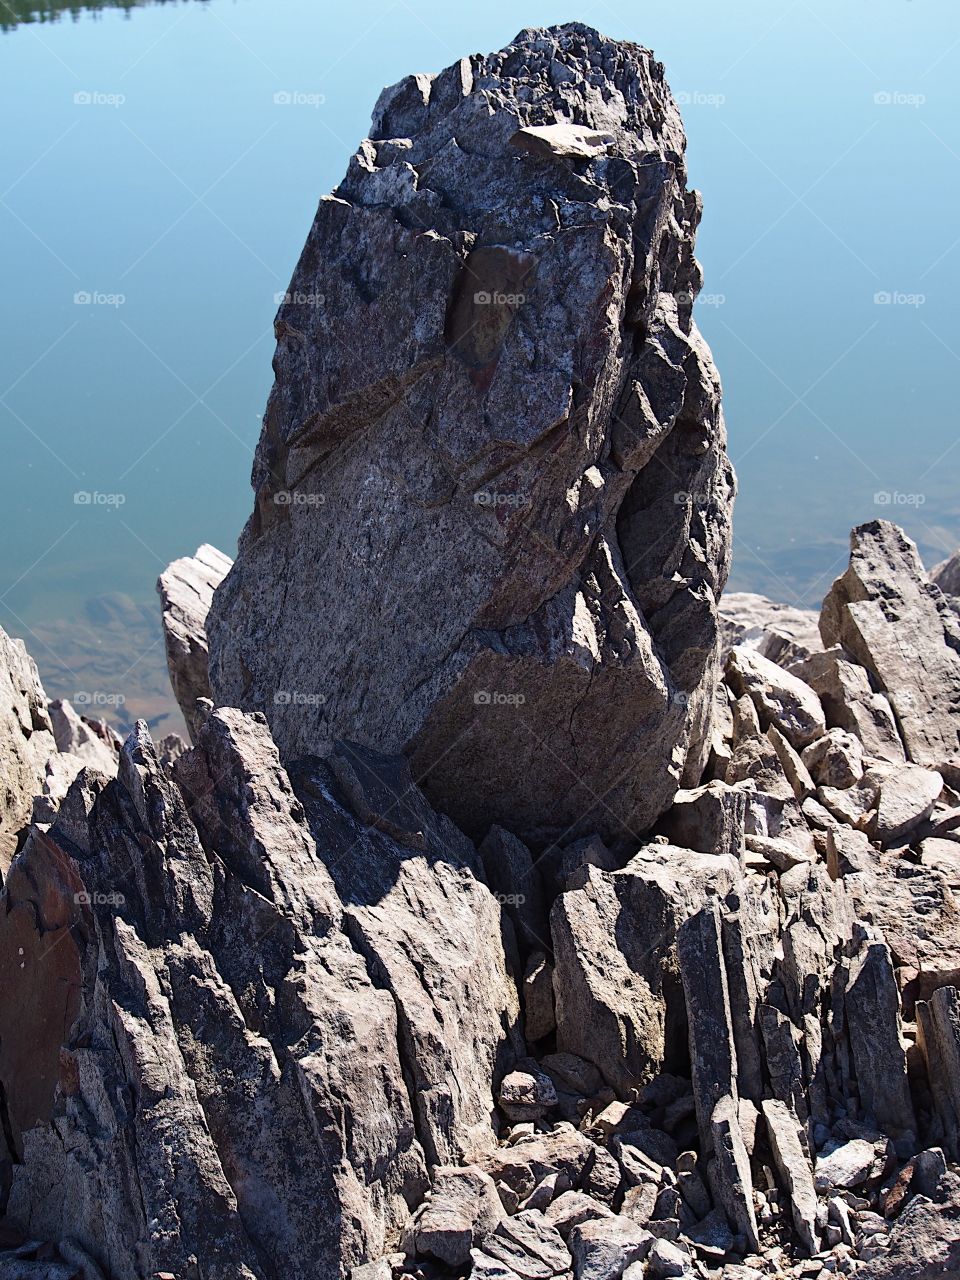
{"points": [[26, 742], [186, 590], [504, 410], [888, 615], [780, 632]]}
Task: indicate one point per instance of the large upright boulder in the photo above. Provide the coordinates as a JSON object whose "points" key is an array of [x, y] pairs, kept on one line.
{"points": [[493, 500]]}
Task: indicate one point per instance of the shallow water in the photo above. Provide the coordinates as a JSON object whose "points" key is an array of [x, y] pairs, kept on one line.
{"points": [[162, 174]]}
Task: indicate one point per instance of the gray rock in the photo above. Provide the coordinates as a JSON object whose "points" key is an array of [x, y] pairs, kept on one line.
{"points": [[798, 775], [908, 794], [938, 1034], [526, 1093], [946, 575], [516, 882], [887, 614], [603, 1248], [849, 852], [708, 819], [836, 759], [780, 698], [732, 1181], [539, 1013], [872, 1005], [193, 1013], [668, 1259], [847, 1166], [619, 1002], [787, 1143], [186, 590], [530, 1246], [925, 1242], [562, 1151], [26, 742], [519, 426], [851, 703], [571, 1209], [463, 1209], [92, 742], [779, 632]]}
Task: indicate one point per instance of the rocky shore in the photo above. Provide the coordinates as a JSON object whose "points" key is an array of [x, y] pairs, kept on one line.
{"points": [[521, 908]]}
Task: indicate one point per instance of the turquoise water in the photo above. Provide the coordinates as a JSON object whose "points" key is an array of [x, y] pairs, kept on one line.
{"points": [[160, 171]]}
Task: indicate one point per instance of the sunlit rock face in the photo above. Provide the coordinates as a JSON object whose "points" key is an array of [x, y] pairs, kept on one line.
{"points": [[493, 499]]}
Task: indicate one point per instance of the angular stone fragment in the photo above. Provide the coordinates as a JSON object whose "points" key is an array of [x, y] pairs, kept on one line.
{"points": [[850, 702], [571, 1209], [619, 1001], [794, 766], [93, 742], [779, 632], [938, 1027], [732, 1178], [463, 1209], [907, 796], [713, 1055], [786, 1141], [836, 759], [946, 575], [846, 1167], [26, 742], [779, 697], [526, 1093], [186, 590], [603, 1248], [529, 1245], [505, 410], [708, 819], [872, 1007], [539, 1012], [849, 852], [886, 613], [516, 882]]}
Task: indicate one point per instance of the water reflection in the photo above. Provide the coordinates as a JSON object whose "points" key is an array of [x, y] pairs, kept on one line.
{"points": [[13, 13]]}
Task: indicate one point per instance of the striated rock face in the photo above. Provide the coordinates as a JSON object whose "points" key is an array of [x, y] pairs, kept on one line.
{"points": [[209, 1056], [186, 590], [26, 742], [492, 495]]}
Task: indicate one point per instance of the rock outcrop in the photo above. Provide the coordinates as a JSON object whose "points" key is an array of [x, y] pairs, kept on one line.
{"points": [[186, 590], [26, 742], [493, 500]]}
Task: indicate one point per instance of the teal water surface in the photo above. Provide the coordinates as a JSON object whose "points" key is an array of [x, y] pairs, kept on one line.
{"points": [[161, 165]]}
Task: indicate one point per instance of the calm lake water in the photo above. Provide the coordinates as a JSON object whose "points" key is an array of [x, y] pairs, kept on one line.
{"points": [[161, 165]]}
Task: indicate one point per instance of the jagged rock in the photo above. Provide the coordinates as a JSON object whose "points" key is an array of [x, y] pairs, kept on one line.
{"points": [[573, 1208], [430, 930], [535, 454], [780, 698], [938, 1028], [526, 1093], [668, 1260], [713, 1056], [26, 742], [836, 759], [846, 1166], [943, 856], [193, 1013], [732, 1170], [529, 1245], [850, 702], [709, 819], [787, 1143], [779, 632], [93, 742], [619, 1001], [186, 590], [849, 852], [924, 1243], [907, 796], [603, 1248], [798, 775], [886, 613], [946, 575], [463, 1209], [872, 1005], [562, 1151]]}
